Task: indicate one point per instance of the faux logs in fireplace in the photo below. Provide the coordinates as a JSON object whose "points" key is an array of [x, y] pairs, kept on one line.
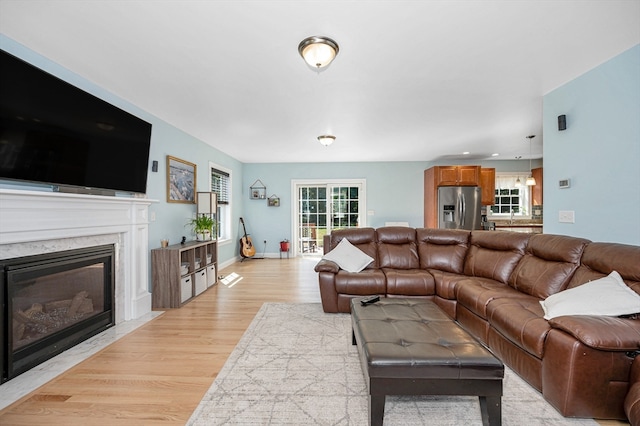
{"points": [[51, 302]]}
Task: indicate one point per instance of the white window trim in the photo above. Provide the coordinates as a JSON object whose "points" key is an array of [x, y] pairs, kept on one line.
{"points": [[523, 177], [228, 230], [362, 203]]}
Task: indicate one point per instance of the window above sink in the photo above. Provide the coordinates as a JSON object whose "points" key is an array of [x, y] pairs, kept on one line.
{"points": [[512, 196]]}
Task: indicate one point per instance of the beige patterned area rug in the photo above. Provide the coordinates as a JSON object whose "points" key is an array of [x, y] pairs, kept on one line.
{"points": [[295, 365]]}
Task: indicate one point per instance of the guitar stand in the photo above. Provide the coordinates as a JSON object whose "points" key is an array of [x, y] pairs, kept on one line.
{"points": [[256, 258], [251, 258]]}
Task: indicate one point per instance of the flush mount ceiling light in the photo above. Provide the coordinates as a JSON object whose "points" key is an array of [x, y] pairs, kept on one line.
{"points": [[530, 180], [326, 140], [318, 51]]}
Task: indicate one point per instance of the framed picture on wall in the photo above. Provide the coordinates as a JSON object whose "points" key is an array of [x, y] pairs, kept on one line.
{"points": [[181, 181]]}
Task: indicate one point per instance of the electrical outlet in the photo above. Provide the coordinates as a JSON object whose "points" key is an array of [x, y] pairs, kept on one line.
{"points": [[567, 216]]}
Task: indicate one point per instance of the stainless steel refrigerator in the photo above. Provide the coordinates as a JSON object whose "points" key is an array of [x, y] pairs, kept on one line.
{"points": [[459, 207]]}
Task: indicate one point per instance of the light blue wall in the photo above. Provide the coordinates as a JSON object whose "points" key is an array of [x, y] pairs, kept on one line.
{"points": [[395, 192], [170, 218], [599, 151]]}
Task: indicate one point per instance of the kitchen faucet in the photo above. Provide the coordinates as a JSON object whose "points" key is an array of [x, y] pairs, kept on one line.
{"points": [[511, 221]]}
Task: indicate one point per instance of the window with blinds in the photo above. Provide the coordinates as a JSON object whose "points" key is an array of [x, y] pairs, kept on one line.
{"points": [[220, 185]]}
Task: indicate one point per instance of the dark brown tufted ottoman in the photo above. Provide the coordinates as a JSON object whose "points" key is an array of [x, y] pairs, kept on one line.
{"points": [[411, 347]]}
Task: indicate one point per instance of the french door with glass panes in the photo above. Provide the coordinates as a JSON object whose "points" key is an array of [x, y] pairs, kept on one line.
{"points": [[322, 207]]}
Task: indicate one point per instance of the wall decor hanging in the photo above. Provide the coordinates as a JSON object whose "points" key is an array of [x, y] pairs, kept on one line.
{"points": [[181, 181], [273, 201], [258, 191]]}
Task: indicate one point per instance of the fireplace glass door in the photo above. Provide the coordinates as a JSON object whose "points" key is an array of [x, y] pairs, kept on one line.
{"points": [[53, 302]]}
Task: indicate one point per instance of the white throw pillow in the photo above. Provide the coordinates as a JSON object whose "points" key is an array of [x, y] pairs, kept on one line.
{"points": [[608, 296], [348, 257]]}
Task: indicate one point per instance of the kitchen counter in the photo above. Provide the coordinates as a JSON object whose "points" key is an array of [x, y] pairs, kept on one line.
{"points": [[527, 226]]}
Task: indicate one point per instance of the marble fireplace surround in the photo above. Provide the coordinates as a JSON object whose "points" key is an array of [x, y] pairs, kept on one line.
{"points": [[33, 222]]}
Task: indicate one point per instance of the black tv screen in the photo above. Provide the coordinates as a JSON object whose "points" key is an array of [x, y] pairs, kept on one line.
{"points": [[54, 133]]}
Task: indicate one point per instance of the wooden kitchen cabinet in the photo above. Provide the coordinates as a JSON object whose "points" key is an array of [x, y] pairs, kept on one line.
{"points": [[488, 185], [457, 175], [536, 191], [430, 198], [437, 176]]}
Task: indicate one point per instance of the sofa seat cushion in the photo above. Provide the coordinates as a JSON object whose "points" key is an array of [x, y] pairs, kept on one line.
{"points": [[476, 293], [446, 283], [520, 321], [409, 282], [369, 281]]}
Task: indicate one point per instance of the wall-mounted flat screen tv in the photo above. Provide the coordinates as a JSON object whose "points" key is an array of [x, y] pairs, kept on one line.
{"points": [[54, 133]]}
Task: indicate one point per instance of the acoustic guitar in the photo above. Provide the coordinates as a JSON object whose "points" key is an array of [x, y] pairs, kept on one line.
{"points": [[246, 246]]}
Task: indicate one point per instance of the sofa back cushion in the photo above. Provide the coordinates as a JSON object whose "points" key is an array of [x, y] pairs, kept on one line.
{"points": [[494, 254], [397, 247], [599, 259], [363, 238], [548, 264], [442, 249]]}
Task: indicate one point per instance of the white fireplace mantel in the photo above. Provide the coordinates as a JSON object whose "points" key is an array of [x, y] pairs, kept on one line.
{"points": [[33, 222]]}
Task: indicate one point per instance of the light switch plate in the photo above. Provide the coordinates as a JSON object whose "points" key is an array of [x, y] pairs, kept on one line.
{"points": [[567, 216]]}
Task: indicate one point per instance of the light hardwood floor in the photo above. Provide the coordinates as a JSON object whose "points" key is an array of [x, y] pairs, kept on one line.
{"points": [[158, 374]]}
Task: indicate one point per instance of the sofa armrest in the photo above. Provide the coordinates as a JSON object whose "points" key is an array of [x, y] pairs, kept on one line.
{"points": [[600, 332], [327, 266]]}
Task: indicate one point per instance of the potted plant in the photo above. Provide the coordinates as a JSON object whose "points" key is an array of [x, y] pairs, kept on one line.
{"points": [[203, 227]]}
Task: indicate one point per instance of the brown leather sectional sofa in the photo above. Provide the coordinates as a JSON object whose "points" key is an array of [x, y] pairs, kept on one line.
{"points": [[491, 282], [632, 401]]}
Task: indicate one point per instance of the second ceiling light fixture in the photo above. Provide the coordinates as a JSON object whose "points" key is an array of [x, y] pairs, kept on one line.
{"points": [[318, 52]]}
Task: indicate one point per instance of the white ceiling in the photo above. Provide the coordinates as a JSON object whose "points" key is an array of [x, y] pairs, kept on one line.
{"points": [[414, 80]]}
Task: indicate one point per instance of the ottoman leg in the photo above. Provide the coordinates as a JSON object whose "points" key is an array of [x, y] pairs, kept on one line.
{"points": [[376, 409], [491, 410]]}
